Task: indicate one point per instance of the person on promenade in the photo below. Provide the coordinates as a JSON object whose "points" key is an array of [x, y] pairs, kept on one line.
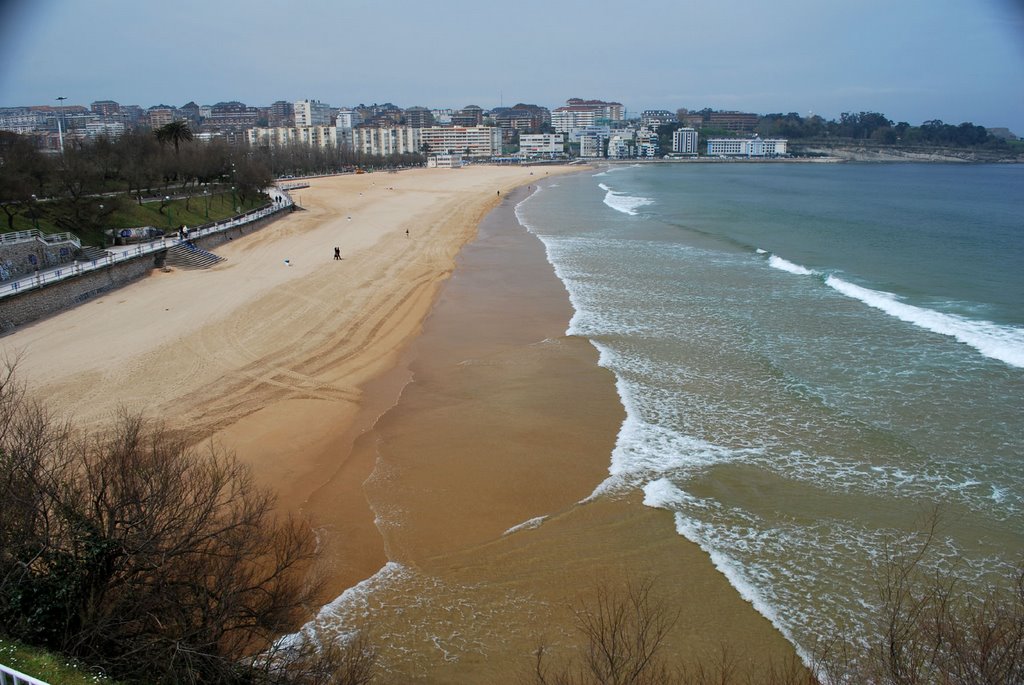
{"points": [[337, 253]]}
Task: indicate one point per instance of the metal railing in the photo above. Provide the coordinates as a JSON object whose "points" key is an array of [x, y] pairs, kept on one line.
{"points": [[8, 676], [41, 278], [36, 234]]}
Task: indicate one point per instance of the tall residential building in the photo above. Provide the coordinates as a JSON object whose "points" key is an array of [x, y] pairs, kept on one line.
{"points": [[468, 116], [565, 119], [283, 136], [621, 144], [282, 113], [391, 140], [592, 145], [105, 107], [160, 115], [418, 117], [22, 120], [348, 118], [472, 141], [230, 116], [684, 141], [612, 111], [513, 119], [312, 113], [531, 144]]}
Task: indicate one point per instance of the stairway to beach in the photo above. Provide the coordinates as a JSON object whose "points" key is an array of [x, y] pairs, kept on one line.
{"points": [[182, 256]]}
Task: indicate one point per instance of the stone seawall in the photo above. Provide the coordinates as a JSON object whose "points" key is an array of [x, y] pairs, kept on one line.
{"points": [[32, 305], [23, 258]]}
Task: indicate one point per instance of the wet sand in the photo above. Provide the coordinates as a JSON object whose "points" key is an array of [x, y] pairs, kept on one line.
{"points": [[510, 423]]}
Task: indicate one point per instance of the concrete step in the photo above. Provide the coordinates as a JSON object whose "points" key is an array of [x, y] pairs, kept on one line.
{"points": [[182, 256]]}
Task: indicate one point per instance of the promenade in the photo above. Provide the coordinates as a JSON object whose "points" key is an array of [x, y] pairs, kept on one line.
{"points": [[280, 202]]}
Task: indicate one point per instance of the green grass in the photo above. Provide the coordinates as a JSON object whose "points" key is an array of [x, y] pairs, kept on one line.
{"points": [[199, 210], [46, 666]]}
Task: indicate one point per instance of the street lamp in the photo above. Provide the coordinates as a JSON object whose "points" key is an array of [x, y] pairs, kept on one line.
{"points": [[170, 216], [234, 202], [206, 194], [60, 132], [35, 212]]}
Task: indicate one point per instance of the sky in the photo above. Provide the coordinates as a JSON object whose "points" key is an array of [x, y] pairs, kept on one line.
{"points": [[912, 60]]}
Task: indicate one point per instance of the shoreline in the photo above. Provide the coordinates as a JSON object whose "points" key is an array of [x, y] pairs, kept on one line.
{"points": [[482, 487], [303, 367]]}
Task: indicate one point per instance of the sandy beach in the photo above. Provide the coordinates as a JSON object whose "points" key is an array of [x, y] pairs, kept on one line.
{"points": [[416, 420]]}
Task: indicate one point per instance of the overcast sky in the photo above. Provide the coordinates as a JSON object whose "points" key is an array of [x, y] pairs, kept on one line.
{"points": [[912, 60]]}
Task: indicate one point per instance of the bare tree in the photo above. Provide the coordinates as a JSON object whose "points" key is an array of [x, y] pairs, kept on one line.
{"points": [[138, 553], [624, 632]]}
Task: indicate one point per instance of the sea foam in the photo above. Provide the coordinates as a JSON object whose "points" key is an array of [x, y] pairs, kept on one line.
{"points": [[777, 262], [621, 202], [1004, 343]]}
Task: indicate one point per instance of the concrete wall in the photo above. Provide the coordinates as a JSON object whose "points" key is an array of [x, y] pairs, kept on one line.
{"points": [[32, 305], [22, 259]]}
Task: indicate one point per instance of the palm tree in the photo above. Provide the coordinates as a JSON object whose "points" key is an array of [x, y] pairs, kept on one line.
{"points": [[174, 132]]}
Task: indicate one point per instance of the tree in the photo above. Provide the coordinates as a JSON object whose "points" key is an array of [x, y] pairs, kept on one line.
{"points": [[175, 132], [24, 171], [139, 553]]}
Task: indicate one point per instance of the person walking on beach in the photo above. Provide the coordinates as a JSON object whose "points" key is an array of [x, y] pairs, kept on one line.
{"points": [[337, 253]]}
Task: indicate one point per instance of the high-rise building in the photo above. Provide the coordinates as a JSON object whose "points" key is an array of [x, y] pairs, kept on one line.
{"points": [[348, 118], [312, 113], [468, 116], [684, 141], [472, 141], [389, 140], [282, 113], [418, 117], [105, 108]]}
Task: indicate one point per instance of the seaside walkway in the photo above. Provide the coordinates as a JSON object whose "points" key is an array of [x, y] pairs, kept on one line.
{"points": [[121, 253]]}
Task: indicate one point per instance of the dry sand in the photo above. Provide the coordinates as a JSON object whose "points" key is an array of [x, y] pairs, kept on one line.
{"points": [[292, 366]]}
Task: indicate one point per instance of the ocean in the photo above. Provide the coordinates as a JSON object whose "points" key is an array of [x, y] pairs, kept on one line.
{"points": [[811, 358]]}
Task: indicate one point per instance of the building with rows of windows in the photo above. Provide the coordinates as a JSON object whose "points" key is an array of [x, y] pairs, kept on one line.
{"points": [[746, 147], [472, 141]]}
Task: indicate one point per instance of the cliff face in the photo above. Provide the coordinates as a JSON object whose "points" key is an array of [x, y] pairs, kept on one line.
{"points": [[878, 153]]}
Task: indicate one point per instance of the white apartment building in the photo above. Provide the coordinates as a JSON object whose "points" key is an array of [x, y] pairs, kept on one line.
{"points": [[472, 141], [111, 129], [565, 119], [531, 144], [577, 133], [282, 136], [22, 120], [647, 144], [684, 141], [385, 141], [348, 118], [312, 113], [620, 145], [746, 147], [592, 145]]}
